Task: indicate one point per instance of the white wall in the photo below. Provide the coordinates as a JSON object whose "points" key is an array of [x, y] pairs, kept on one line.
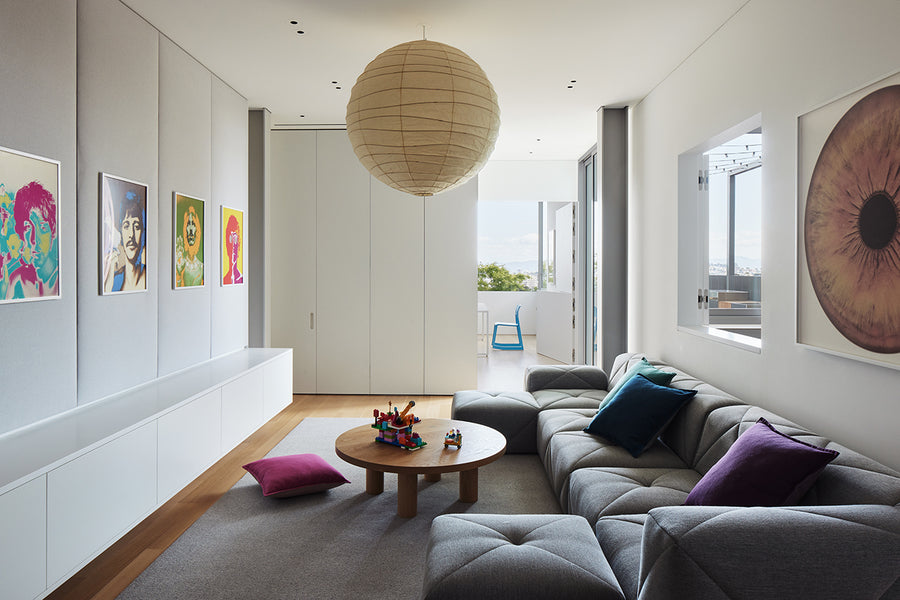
{"points": [[38, 369], [780, 59], [98, 88], [528, 181]]}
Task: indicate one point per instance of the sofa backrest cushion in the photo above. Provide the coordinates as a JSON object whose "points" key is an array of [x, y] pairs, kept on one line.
{"points": [[685, 434], [764, 467], [638, 413], [640, 367], [710, 423]]}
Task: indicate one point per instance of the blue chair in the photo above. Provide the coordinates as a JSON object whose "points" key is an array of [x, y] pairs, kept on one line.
{"points": [[512, 346]]}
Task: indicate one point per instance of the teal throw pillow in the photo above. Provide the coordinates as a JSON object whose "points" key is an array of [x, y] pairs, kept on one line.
{"points": [[638, 413], [643, 368]]}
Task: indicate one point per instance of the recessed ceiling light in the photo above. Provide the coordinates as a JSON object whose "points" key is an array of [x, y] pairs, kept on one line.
{"points": [[300, 32], [293, 22]]}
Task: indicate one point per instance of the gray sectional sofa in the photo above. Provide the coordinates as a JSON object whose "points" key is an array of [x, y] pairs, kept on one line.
{"points": [[840, 541]]}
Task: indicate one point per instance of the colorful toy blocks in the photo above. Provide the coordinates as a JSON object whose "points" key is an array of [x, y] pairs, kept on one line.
{"points": [[395, 427]]}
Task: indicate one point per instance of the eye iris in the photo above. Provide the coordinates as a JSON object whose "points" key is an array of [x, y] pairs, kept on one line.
{"points": [[878, 221]]}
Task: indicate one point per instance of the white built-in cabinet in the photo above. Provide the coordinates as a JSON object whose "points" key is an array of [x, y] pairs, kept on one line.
{"points": [[82, 479], [374, 289]]}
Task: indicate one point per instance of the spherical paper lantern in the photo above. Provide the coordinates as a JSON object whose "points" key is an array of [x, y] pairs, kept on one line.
{"points": [[423, 117]]}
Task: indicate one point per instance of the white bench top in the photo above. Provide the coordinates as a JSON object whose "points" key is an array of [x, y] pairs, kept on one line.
{"points": [[41, 446]]}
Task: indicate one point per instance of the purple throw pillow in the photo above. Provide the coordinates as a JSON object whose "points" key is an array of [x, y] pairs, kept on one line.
{"points": [[764, 467], [294, 475]]}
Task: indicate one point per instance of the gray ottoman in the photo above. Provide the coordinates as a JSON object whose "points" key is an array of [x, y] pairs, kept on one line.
{"points": [[514, 414], [516, 556]]}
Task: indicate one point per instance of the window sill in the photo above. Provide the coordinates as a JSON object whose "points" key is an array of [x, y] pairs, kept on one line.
{"points": [[743, 342]]}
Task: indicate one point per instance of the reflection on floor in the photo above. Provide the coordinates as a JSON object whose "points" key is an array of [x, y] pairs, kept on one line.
{"points": [[504, 370]]}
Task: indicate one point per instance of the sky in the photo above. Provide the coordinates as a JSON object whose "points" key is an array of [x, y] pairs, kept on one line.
{"points": [[508, 233]]}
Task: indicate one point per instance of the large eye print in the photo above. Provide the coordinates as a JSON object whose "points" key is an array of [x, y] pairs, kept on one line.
{"points": [[852, 223]]}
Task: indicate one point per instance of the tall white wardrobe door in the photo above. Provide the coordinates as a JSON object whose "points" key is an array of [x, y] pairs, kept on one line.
{"points": [[450, 289], [342, 267], [398, 291], [291, 251]]}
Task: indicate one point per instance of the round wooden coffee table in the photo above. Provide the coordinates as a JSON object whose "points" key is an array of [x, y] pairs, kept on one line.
{"points": [[481, 445]]}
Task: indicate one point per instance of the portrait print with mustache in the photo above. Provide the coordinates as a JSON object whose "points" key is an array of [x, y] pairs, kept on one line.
{"points": [[125, 266]]}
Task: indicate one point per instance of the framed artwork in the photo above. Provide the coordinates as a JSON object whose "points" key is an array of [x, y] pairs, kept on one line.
{"points": [[232, 246], [29, 227], [188, 232], [848, 250], [123, 235]]}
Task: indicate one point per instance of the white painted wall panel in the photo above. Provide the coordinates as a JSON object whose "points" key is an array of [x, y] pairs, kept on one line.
{"points": [[229, 316], [277, 381], [397, 289], [450, 289], [184, 167], [97, 496], [190, 440], [343, 268], [39, 118], [23, 540], [292, 260], [242, 408], [118, 93], [555, 335]]}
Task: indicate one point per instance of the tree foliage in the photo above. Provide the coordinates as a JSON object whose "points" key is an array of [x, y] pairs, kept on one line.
{"points": [[497, 278]]}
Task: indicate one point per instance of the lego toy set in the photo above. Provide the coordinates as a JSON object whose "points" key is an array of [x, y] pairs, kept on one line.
{"points": [[395, 427], [453, 438]]}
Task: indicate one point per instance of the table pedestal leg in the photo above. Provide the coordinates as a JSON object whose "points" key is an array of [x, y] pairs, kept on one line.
{"points": [[432, 477], [407, 484], [468, 485], [374, 482]]}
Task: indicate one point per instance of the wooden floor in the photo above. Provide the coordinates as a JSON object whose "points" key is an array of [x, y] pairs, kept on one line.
{"points": [[111, 572]]}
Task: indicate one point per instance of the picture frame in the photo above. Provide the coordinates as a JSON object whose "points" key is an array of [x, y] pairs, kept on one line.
{"points": [[847, 229], [232, 246], [188, 241], [30, 234], [124, 235]]}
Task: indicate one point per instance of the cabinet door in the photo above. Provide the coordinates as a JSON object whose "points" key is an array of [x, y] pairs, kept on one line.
{"points": [[190, 440], [342, 267], [398, 289], [292, 251], [23, 540], [96, 497], [450, 294]]}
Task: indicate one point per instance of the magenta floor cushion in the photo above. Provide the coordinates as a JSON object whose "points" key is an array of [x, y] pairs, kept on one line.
{"points": [[294, 475]]}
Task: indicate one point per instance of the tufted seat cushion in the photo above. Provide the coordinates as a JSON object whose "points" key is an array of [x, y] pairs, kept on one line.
{"points": [[516, 556], [569, 451], [600, 492], [515, 414], [551, 422]]}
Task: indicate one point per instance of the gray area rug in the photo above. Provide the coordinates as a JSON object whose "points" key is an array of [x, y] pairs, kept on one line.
{"points": [[339, 544]]}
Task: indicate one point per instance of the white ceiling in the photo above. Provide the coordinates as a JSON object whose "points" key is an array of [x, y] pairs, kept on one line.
{"points": [[615, 50]]}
